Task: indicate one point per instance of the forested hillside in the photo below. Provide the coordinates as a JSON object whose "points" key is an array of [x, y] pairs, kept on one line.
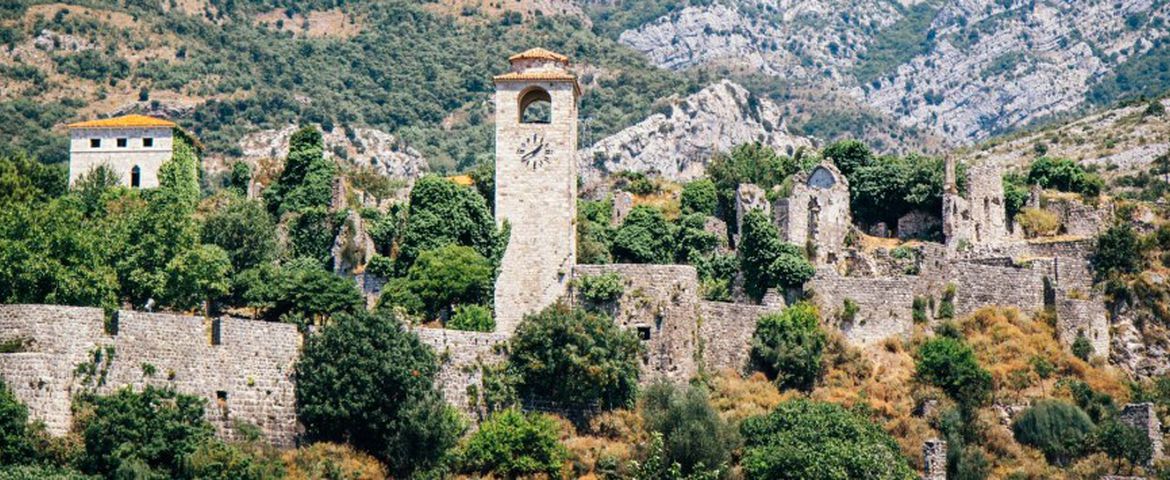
{"points": [[421, 71]]}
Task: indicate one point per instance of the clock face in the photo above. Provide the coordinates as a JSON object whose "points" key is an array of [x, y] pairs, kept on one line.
{"points": [[534, 151]]}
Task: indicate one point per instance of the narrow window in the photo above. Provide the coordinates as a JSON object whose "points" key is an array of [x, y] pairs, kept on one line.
{"points": [[135, 177], [122, 143], [221, 399], [147, 142], [95, 143], [217, 332]]}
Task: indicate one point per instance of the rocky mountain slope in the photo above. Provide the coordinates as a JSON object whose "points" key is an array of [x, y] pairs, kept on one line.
{"points": [[678, 140], [966, 69], [365, 147]]}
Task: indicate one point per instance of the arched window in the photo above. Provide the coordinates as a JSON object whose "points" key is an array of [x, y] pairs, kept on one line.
{"points": [[135, 177], [535, 106]]}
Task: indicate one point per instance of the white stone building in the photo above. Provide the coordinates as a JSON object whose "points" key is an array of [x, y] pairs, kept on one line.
{"points": [[134, 146], [536, 182]]}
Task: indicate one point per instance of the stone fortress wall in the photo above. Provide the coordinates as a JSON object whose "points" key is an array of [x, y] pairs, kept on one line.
{"points": [[243, 368]]}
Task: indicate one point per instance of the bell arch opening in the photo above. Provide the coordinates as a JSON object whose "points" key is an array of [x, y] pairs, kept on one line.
{"points": [[535, 106], [135, 177]]}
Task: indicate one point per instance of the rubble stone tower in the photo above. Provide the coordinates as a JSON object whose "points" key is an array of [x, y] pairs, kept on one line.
{"points": [[536, 182]]}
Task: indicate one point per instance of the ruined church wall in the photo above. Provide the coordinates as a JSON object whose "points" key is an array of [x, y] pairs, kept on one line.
{"points": [[978, 285], [253, 365]]}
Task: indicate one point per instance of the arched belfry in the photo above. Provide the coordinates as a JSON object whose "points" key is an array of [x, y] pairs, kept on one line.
{"points": [[536, 182]]}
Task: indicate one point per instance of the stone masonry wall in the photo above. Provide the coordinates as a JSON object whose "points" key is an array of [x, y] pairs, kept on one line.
{"points": [[246, 377], [884, 304], [460, 356], [663, 299], [725, 333], [818, 213]]}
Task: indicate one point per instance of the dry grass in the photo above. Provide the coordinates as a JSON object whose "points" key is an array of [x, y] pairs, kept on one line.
{"points": [[320, 460], [737, 398]]}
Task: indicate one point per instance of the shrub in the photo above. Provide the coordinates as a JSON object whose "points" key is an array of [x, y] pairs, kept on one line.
{"points": [[473, 318], [644, 237], [307, 179], [215, 460], [14, 439], [699, 197], [602, 371], [366, 381], [601, 289], [787, 346], [692, 240], [765, 260], [331, 460], [949, 364], [41, 472], [1038, 223], [149, 431], [946, 307], [244, 230], [1118, 252], [1081, 348], [511, 444], [1056, 428], [694, 436], [918, 310], [803, 439], [380, 266]]}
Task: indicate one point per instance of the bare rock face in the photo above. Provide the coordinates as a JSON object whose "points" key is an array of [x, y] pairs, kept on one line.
{"points": [[962, 69], [679, 142], [364, 147]]}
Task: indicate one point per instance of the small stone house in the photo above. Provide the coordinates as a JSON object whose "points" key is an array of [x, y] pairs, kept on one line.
{"points": [[133, 146]]}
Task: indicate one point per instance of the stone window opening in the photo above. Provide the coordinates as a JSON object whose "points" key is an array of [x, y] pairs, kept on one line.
{"points": [[535, 106], [95, 143], [147, 142], [221, 399], [122, 142], [217, 332], [643, 332], [135, 177]]}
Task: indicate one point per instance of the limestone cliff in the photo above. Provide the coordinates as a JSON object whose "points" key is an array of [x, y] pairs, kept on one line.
{"points": [[364, 147], [678, 141], [965, 69]]}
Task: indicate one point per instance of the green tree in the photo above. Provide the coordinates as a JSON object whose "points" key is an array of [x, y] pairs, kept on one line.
{"points": [[692, 240], [41, 472], [299, 292], [198, 276], [644, 237], [25, 180], [164, 229], [788, 346], [445, 277], [240, 179], [1122, 442], [950, 364], [803, 439], [366, 381], [52, 254], [443, 213], [594, 235], [694, 436], [311, 233], [15, 446], [766, 261], [307, 179], [512, 444], [1060, 430], [575, 358], [890, 187], [699, 196], [1118, 252], [152, 431], [848, 155], [1064, 175], [244, 230], [753, 163]]}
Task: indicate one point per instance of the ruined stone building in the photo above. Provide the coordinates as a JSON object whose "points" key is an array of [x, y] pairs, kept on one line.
{"points": [[816, 214], [133, 146]]}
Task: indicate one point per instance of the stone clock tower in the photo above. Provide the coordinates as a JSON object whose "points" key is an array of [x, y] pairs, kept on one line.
{"points": [[536, 182]]}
